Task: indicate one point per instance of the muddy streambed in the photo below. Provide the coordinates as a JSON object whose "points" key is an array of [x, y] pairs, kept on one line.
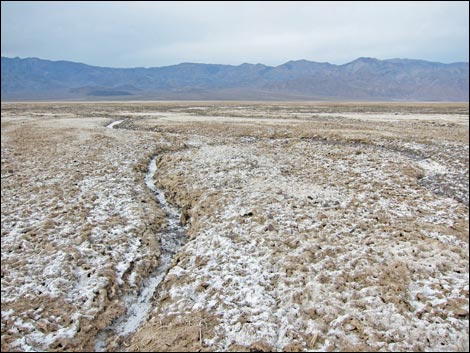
{"points": [[114, 123], [172, 238]]}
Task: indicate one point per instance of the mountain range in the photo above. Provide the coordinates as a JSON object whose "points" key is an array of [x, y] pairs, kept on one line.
{"points": [[364, 79]]}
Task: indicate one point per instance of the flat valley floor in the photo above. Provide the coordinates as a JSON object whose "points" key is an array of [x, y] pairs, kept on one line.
{"points": [[308, 226]]}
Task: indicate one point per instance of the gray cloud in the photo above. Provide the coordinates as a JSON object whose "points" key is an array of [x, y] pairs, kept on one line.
{"points": [[128, 34]]}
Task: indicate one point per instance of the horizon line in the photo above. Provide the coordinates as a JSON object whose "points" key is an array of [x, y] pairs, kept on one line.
{"points": [[245, 63]]}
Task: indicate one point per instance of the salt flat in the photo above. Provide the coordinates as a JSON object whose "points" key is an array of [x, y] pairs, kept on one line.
{"points": [[309, 226]]}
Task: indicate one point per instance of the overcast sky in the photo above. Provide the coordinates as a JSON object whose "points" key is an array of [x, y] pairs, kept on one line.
{"points": [[132, 34]]}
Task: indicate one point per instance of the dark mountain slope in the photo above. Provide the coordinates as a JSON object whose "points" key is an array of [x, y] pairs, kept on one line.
{"points": [[361, 79]]}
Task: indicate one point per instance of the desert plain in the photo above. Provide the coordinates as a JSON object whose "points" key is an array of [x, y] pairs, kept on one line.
{"points": [[300, 226]]}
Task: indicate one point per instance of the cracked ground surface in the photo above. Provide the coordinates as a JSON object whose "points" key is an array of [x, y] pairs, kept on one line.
{"points": [[310, 226]]}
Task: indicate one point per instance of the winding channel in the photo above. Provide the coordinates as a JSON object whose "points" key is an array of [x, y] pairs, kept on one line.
{"points": [[172, 238], [114, 123]]}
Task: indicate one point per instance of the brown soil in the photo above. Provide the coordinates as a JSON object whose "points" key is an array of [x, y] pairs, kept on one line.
{"points": [[311, 226]]}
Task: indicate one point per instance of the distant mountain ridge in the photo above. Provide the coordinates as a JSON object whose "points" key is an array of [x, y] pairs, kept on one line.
{"points": [[362, 79]]}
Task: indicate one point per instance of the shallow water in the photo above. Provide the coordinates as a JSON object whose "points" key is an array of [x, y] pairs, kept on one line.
{"points": [[172, 238]]}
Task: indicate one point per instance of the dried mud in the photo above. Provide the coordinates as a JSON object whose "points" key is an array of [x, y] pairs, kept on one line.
{"points": [[311, 226]]}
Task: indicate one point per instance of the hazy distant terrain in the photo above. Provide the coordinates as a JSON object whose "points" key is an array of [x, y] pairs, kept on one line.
{"points": [[365, 79]]}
